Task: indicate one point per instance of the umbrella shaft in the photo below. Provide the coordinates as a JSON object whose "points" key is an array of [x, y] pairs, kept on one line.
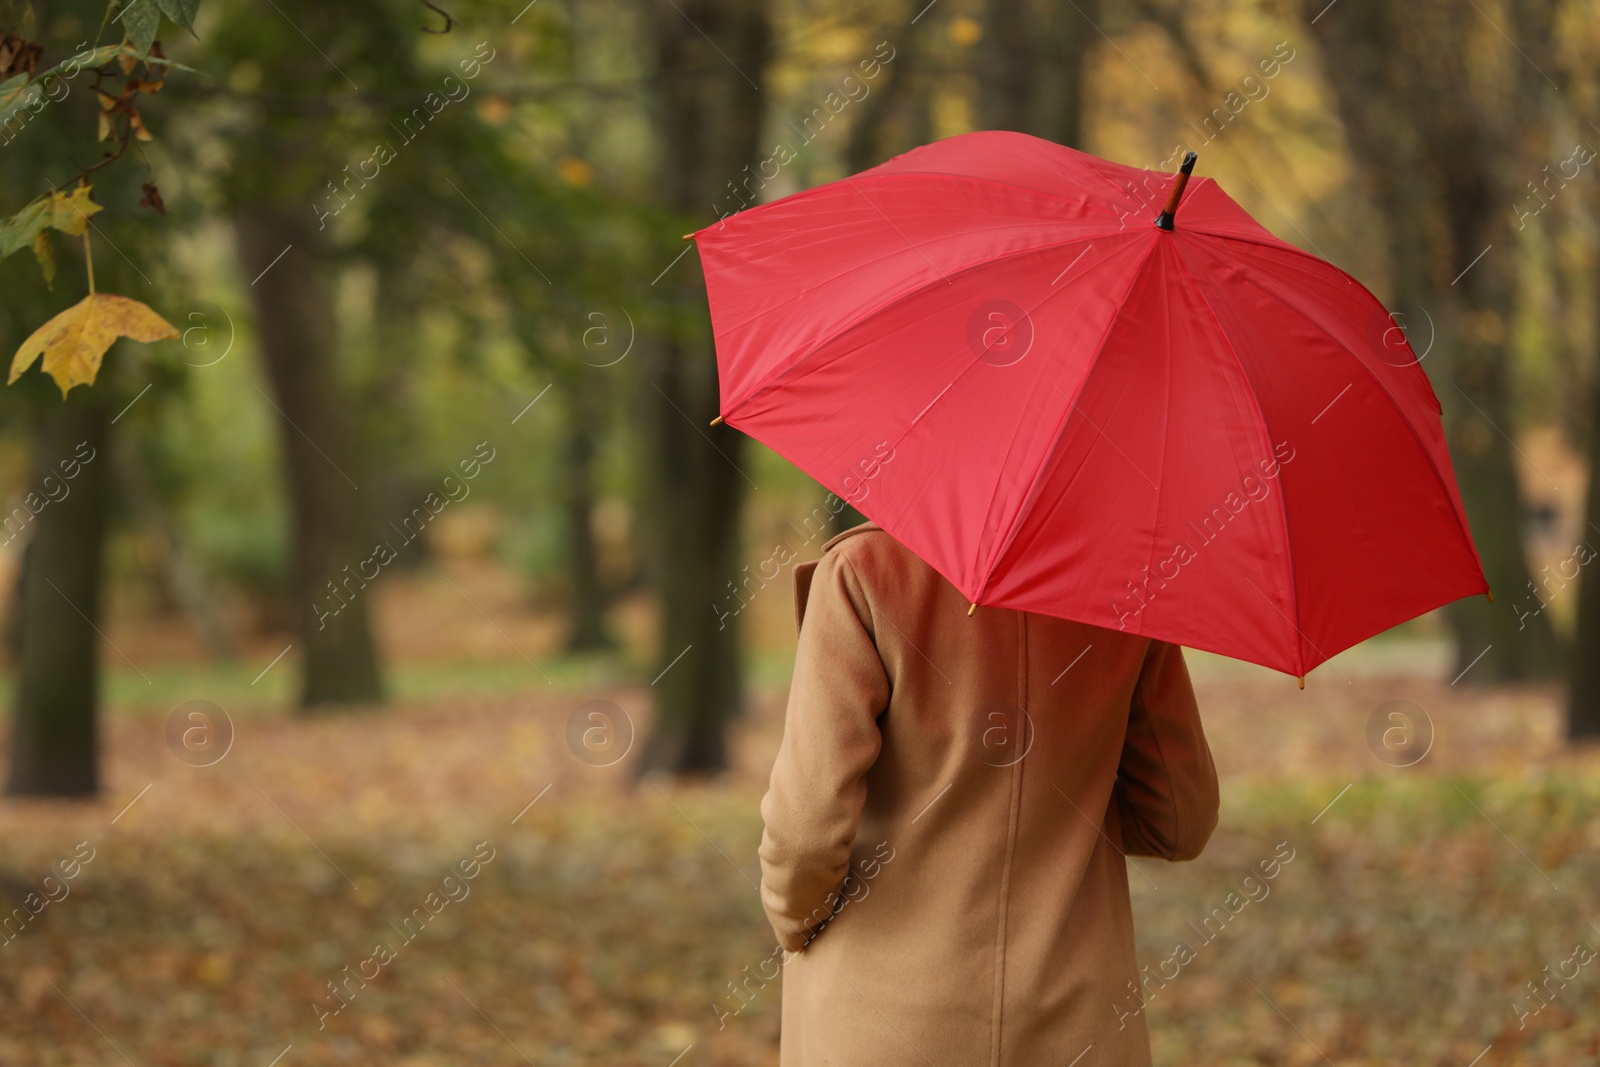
{"points": [[1164, 221]]}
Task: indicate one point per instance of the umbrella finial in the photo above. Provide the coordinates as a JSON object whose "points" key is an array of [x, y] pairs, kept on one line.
{"points": [[1164, 220], [1302, 681]]}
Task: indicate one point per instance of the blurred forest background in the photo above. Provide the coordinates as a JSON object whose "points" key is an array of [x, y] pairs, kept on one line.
{"points": [[424, 483]]}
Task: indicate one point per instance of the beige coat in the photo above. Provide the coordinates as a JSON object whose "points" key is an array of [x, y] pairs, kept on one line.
{"points": [[985, 919]]}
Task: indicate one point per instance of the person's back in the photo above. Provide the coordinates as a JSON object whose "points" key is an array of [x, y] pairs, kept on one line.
{"points": [[980, 778]]}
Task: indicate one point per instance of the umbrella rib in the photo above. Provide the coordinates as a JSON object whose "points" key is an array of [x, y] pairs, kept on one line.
{"points": [[779, 381], [1096, 427], [995, 491], [807, 194], [1283, 507], [1016, 428], [1325, 657], [814, 191], [1166, 439], [1032, 498], [851, 182], [980, 180], [1384, 389], [976, 179], [1277, 244], [806, 291], [1090, 163]]}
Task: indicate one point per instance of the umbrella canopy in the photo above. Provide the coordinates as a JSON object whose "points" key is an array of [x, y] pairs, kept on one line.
{"points": [[1201, 434]]}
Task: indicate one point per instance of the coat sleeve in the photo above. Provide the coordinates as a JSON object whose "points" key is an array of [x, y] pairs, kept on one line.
{"points": [[813, 805], [1166, 792]]}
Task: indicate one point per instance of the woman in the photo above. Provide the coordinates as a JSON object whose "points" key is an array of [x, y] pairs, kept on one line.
{"points": [[948, 816]]}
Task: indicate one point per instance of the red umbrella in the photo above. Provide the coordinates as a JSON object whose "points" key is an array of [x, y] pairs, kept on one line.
{"points": [[1067, 401]]}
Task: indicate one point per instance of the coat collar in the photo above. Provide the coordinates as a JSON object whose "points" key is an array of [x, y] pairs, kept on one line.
{"points": [[863, 528]]}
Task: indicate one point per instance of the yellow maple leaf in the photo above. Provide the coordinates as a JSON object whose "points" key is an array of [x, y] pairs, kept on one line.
{"points": [[70, 214], [74, 342]]}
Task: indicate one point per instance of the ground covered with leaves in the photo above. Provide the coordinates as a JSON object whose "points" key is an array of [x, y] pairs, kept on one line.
{"points": [[538, 909]]}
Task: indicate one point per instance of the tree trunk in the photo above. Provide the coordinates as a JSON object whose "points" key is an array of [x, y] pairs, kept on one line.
{"points": [[1583, 696], [53, 741], [1420, 139], [695, 515], [881, 128], [295, 322], [1513, 646], [1031, 67], [1008, 66], [709, 58]]}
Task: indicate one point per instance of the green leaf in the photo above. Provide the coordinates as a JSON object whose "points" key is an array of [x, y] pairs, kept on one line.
{"points": [[180, 11], [69, 214], [12, 87], [141, 21], [14, 96]]}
